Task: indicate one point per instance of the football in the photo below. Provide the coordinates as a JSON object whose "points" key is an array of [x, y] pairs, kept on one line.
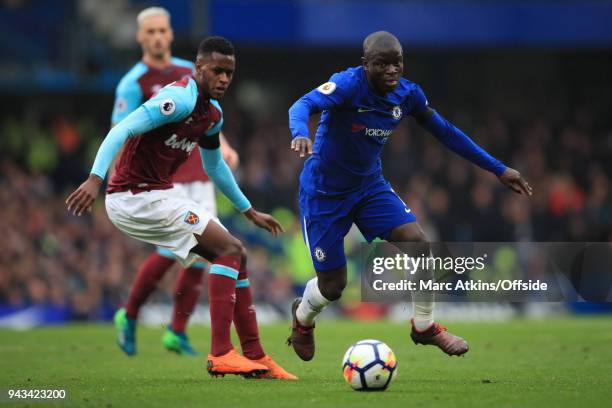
{"points": [[369, 365]]}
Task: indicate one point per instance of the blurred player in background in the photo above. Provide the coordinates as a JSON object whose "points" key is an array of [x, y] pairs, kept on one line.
{"points": [[156, 70], [142, 202], [342, 181]]}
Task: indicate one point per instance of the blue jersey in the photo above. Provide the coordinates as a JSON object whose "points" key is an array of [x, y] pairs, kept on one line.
{"points": [[341, 183], [355, 125]]}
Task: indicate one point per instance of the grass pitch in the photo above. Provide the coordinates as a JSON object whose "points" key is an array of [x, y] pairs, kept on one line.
{"points": [[548, 363]]}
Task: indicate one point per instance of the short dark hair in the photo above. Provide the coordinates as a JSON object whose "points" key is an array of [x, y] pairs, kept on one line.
{"points": [[215, 44]]}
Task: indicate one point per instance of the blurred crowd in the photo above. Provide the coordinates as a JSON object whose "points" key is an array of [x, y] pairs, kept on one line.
{"points": [[86, 266]]}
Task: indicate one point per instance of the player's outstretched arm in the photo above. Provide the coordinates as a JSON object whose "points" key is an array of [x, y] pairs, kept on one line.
{"points": [[171, 104], [222, 176], [82, 198], [460, 143], [299, 113]]}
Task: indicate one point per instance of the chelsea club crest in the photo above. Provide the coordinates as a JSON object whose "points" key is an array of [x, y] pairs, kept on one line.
{"points": [[320, 254], [396, 112]]}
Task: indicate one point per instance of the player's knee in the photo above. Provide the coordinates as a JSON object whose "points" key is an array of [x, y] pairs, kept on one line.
{"points": [[234, 248], [332, 289], [408, 233], [415, 235], [421, 247], [243, 256], [333, 292]]}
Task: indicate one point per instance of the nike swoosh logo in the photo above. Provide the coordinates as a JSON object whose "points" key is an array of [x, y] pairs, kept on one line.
{"points": [[408, 210], [361, 110]]}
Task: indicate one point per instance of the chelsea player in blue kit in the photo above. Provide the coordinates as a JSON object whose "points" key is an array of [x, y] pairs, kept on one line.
{"points": [[342, 181]]}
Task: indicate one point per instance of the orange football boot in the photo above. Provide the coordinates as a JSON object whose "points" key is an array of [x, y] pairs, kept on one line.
{"points": [[438, 335], [233, 363], [276, 371]]}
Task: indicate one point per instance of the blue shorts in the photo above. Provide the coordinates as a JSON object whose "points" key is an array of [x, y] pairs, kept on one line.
{"points": [[376, 210]]}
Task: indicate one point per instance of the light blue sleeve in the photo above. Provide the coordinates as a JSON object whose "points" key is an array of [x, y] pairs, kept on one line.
{"points": [[335, 92], [136, 123], [217, 128], [128, 95], [222, 176], [172, 104]]}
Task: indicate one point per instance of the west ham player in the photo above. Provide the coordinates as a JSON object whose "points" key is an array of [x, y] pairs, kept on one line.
{"points": [[141, 201], [342, 183], [157, 69]]}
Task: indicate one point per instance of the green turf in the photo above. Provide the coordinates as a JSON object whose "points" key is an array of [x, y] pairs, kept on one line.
{"points": [[549, 363]]}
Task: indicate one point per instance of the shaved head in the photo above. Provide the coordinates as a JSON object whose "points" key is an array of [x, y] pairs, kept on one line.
{"points": [[380, 41], [383, 61]]}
